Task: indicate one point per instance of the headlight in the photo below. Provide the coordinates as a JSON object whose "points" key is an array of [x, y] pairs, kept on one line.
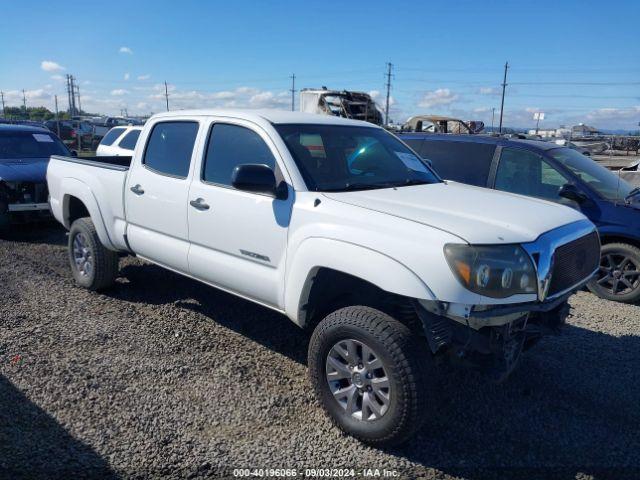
{"points": [[496, 271]]}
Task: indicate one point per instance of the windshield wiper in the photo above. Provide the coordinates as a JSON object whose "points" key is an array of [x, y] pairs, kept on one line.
{"points": [[349, 187], [372, 186], [632, 193]]}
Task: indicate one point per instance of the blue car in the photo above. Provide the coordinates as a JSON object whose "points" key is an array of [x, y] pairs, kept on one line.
{"points": [[554, 173], [24, 156]]}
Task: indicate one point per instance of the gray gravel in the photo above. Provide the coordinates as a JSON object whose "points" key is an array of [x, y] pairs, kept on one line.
{"points": [[164, 377]]}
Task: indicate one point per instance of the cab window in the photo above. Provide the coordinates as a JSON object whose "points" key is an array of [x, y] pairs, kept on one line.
{"points": [[169, 148], [527, 173], [230, 146]]}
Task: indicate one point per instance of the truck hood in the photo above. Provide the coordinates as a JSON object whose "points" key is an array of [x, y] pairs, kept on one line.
{"points": [[476, 215], [24, 170]]}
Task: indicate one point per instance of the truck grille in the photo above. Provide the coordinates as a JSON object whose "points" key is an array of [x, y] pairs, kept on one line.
{"points": [[574, 261]]}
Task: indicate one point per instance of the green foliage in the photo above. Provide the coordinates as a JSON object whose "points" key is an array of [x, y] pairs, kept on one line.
{"points": [[37, 114]]}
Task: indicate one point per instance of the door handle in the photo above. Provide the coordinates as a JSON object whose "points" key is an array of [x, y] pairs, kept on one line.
{"points": [[199, 204], [137, 189]]}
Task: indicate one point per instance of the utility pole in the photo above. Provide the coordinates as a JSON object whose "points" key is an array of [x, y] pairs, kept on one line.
{"points": [[386, 109], [3, 112], [504, 86], [24, 101], [293, 91], [79, 104], [493, 116], [68, 77], [71, 94], [57, 117], [166, 94]]}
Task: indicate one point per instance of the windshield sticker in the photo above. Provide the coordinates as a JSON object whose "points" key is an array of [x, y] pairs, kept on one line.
{"points": [[412, 162], [42, 137]]}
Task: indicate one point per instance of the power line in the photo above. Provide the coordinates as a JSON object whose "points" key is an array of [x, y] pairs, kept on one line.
{"points": [[504, 86], [293, 91], [388, 85]]}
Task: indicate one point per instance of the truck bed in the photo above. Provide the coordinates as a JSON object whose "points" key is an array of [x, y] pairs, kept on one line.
{"points": [[97, 182], [111, 162]]}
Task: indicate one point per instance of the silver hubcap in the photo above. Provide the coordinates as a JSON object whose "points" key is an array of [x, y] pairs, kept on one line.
{"points": [[82, 255], [358, 380], [619, 274]]}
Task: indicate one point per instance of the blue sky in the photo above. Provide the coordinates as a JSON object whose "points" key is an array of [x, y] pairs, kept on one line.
{"points": [[574, 60]]}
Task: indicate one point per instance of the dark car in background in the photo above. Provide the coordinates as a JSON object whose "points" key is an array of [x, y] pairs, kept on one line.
{"points": [[554, 173], [76, 134], [24, 156]]}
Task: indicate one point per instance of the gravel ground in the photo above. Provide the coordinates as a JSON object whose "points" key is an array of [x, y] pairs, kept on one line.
{"points": [[164, 377]]}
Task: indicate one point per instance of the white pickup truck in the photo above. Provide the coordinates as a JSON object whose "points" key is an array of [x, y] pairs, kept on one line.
{"points": [[342, 228]]}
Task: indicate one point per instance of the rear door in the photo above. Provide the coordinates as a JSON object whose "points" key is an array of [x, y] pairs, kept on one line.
{"points": [[464, 162], [238, 239], [157, 193]]}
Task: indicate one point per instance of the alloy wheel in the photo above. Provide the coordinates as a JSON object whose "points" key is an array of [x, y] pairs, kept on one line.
{"points": [[82, 255], [358, 380], [619, 274]]}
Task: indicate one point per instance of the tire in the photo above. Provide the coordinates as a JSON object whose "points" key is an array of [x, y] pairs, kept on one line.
{"points": [[619, 276], [94, 267], [404, 362]]}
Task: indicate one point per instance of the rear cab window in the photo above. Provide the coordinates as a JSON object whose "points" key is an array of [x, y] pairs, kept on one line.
{"points": [[170, 147], [465, 162], [111, 136], [128, 142]]}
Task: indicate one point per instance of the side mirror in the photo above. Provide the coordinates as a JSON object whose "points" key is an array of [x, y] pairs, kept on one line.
{"points": [[571, 192], [257, 178], [74, 153]]}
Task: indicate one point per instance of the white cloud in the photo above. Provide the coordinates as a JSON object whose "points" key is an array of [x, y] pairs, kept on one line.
{"points": [[489, 91], [127, 76], [119, 92], [50, 66], [57, 78], [144, 77], [439, 97], [126, 50]]}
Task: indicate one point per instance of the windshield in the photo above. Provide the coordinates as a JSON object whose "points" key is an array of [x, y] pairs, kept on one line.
{"points": [[606, 183], [339, 158], [29, 145]]}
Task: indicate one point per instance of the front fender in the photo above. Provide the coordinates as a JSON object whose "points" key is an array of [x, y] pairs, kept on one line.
{"points": [[370, 265], [76, 188]]}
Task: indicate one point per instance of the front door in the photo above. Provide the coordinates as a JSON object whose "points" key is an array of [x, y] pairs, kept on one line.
{"points": [[157, 195], [238, 239]]}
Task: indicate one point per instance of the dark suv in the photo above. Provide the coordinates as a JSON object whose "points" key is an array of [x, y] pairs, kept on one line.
{"points": [[558, 174]]}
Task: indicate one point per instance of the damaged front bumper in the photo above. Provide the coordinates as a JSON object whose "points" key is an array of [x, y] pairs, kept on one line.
{"points": [[490, 338]]}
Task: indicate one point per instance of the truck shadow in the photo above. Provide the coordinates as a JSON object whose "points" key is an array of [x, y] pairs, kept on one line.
{"points": [[571, 407], [157, 286], [34, 445], [46, 232]]}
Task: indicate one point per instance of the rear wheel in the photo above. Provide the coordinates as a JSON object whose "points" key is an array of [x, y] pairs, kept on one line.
{"points": [[618, 277], [369, 373], [93, 266]]}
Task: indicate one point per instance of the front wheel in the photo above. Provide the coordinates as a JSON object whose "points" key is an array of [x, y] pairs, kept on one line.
{"points": [[94, 267], [618, 277], [369, 374]]}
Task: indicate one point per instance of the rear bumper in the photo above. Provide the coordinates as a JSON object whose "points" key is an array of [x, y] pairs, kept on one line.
{"points": [[28, 207]]}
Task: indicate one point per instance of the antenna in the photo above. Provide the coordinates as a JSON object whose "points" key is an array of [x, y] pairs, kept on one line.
{"points": [[166, 94]]}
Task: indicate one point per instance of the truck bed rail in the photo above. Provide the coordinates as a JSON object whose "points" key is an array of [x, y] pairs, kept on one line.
{"points": [[121, 163]]}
